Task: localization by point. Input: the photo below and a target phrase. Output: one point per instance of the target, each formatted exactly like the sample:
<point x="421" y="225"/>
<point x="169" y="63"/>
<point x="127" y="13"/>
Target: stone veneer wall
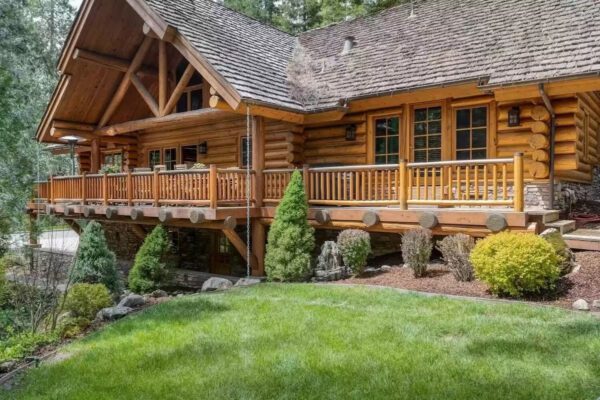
<point x="381" y="243"/>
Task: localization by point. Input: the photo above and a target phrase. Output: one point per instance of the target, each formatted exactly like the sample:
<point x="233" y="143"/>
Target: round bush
<point x="84" y="300"/>
<point x="515" y="263"/>
<point x="355" y="246"/>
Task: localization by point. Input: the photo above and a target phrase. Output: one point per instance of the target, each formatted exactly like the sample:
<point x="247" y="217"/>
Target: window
<point x="113" y="159"/>
<point x="387" y="140"/>
<point x="192" y="96"/>
<point x="246" y="152"/>
<point x="170" y="158"/>
<point x="471" y="133"/>
<point x="189" y="155"/>
<point x="153" y="158"/>
<point x="427" y="134"/>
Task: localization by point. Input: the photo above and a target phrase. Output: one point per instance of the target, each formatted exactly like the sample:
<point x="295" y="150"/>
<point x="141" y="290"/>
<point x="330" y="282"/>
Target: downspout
<point x="548" y="104"/>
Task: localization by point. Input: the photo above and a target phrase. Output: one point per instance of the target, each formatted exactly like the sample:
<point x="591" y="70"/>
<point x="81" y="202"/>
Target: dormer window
<point x="192" y="97"/>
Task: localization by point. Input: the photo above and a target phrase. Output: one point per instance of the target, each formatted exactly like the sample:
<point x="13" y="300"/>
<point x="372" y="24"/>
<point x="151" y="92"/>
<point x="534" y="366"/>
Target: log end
<point x="496" y="223"/>
<point x="428" y="220"/>
<point x="370" y="218"/>
<point x="323" y="217"/>
<point x="230" y="223"/>
<point x="197" y="216"/>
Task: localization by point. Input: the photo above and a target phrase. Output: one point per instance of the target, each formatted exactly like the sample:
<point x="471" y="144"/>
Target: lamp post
<point x="71" y="141"/>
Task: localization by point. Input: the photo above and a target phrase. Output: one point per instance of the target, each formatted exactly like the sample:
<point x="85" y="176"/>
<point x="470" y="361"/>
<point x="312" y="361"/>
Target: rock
<point x="215" y="283"/>
<point x="132" y="301"/>
<point x="386" y="268"/>
<point x="581" y="305"/>
<point x="180" y="295"/>
<point x="554" y="237"/>
<point x="7" y="366"/>
<point x="157" y="294"/>
<point x="245" y="282"/>
<point x="596" y="304"/>
<point x="113" y="313"/>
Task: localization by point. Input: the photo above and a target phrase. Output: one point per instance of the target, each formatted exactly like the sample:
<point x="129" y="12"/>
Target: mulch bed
<point x="583" y="284"/>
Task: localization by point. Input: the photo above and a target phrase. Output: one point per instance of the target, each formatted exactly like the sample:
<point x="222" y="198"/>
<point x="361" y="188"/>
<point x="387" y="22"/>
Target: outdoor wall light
<point x="514" y="116"/>
<point x="203" y="148"/>
<point x="351" y="132"/>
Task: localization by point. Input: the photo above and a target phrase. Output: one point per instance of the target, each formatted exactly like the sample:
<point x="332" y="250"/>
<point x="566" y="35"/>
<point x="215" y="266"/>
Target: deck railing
<point x="493" y="183"/>
<point x="202" y="187"/>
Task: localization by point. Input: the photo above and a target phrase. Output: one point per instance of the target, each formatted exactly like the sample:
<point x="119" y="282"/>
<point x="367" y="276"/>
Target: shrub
<point x="20" y="345"/>
<point x="456" y="251"/>
<point x="416" y="250"/>
<point x="291" y="239"/>
<point x="94" y="262"/>
<point x="84" y="300"/>
<point x="330" y="257"/>
<point x="150" y="269"/>
<point x="355" y="246"/>
<point x="515" y="263"/>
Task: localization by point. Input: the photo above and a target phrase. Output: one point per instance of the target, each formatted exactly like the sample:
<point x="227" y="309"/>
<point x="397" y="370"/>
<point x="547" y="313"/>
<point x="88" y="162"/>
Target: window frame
<point x="372" y="133"/>
<point x="180" y="152"/>
<point x="490" y="127"/>
<point x="241" y="146"/>
<point x="159" y="157"/>
<point x="411" y="127"/>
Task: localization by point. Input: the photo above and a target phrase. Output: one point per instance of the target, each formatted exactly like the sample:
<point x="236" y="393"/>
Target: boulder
<point x="386" y="268"/>
<point x="245" y="282"/>
<point x="596" y="304"/>
<point x="113" y="313"/>
<point x="7" y="366"/>
<point x="157" y="294"/>
<point x="581" y="305"/>
<point x="132" y="301"/>
<point x="554" y="237"/>
<point x="215" y="283"/>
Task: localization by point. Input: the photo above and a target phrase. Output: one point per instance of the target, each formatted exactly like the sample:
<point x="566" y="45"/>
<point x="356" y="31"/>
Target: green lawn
<point x="330" y="342"/>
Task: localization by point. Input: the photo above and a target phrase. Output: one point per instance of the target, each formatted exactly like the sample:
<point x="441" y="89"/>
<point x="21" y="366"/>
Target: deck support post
<point x="402" y="190"/>
<point x="519" y="184"/>
<point x="156" y="187"/>
<point x="105" y="189"/>
<point x="51" y="190"/>
<point x="212" y="186"/>
<point x="258" y="159"/>
<point x="258" y="247"/>
<point x="129" y="187"/>
<point x="305" y="178"/>
<point x="83" y="196"/>
<point x="95" y="156"/>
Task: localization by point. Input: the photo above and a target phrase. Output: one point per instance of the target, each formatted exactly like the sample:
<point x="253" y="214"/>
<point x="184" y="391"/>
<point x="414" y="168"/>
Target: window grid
<point x="427" y="134"/>
<point x="387" y="140"/>
<point x="471" y="133"/>
<point x="246" y="152"/>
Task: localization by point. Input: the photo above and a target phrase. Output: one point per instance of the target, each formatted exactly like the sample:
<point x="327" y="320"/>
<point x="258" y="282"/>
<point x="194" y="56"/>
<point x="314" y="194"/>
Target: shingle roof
<point x="507" y="41"/>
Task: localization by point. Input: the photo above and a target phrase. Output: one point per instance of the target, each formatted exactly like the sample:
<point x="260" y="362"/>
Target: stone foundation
<point x="381" y="243"/>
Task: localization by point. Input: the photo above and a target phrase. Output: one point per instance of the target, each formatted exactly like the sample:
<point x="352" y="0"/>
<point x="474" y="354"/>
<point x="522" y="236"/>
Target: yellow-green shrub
<point x="84" y="300"/>
<point x="515" y="263"/>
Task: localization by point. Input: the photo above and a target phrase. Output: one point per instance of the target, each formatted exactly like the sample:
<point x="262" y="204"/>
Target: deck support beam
<point x="73" y="225"/>
<point x="241" y="247"/>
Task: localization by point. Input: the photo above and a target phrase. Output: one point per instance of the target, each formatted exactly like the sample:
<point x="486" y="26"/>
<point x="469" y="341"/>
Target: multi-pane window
<point x="114" y="159"/>
<point x="387" y="140"/>
<point x="191" y="99"/>
<point x="427" y="134"/>
<point x="471" y="133"/>
<point x="170" y="158"/>
<point x="246" y="152"/>
<point x="153" y="158"/>
<point x="189" y="155"/>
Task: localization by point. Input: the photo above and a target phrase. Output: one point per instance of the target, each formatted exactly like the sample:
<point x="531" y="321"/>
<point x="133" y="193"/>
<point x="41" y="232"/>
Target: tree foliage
<point x="291" y="239"/>
<point x="94" y="262"/>
<point x="150" y="269"/>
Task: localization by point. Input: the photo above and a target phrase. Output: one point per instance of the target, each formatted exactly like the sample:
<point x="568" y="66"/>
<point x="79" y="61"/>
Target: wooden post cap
<point x="370" y="218"/>
<point x="136" y="214"/>
<point x="49" y="209"/>
<point x="322" y="217"/>
<point x="428" y="220"/>
<point x="496" y="222"/>
<point x="197" y="216"/>
<point x="165" y="215"/>
<point x="88" y="212"/>
<point x="111" y="212"/>
<point x="230" y="223"/>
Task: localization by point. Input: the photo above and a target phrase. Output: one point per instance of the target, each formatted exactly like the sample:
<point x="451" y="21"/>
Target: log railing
<point x="203" y="187"/>
<point x="493" y="183"/>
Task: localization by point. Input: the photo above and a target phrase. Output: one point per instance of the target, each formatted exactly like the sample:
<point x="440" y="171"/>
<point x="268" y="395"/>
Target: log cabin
<point x="471" y="116"/>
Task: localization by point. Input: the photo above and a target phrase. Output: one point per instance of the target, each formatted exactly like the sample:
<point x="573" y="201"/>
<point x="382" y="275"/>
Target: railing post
<point x="519" y="185"/>
<point x="51" y="190"/>
<point x="129" y="189"/>
<point x="105" y="189"/>
<point x="402" y="190"/>
<point x="306" y="179"/>
<point x="83" y="196"/>
<point x="212" y="186"/>
<point x="156" y="188"/>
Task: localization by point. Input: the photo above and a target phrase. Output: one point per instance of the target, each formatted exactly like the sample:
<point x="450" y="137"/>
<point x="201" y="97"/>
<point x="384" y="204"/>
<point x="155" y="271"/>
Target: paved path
<point x="61" y="240"/>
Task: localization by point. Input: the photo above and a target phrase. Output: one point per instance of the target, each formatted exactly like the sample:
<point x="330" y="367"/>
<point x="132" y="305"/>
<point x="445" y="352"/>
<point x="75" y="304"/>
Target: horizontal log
<point x="540" y="155"/>
<point x="539" y="142"/>
<point x="538" y="170"/>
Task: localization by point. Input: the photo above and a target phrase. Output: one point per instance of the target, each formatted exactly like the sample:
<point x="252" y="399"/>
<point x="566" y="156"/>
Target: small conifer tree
<point x="291" y="239"/>
<point x="94" y="262"/>
<point x="150" y="269"/>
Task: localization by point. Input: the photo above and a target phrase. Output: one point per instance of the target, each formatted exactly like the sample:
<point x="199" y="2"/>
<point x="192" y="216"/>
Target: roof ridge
<point x="222" y="5"/>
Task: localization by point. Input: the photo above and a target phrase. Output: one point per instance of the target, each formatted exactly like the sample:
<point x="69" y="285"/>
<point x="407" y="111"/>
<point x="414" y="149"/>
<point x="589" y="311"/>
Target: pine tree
<point x="291" y="239"/>
<point x="150" y="269"/>
<point x="94" y="262"/>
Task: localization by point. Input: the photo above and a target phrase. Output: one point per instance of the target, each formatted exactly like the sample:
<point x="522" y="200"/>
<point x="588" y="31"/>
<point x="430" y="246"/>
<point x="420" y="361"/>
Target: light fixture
<point x="203" y="148"/>
<point x="351" y="132"/>
<point x="514" y="116"/>
<point x="72" y="141"/>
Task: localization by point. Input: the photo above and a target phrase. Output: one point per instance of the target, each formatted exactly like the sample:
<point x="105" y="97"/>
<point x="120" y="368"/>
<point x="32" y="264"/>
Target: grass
<point x="330" y="342"/>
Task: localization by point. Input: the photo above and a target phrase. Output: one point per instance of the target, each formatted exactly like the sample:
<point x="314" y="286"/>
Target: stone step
<point x="563" y="225"/>
<point x="583" y="239"/>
